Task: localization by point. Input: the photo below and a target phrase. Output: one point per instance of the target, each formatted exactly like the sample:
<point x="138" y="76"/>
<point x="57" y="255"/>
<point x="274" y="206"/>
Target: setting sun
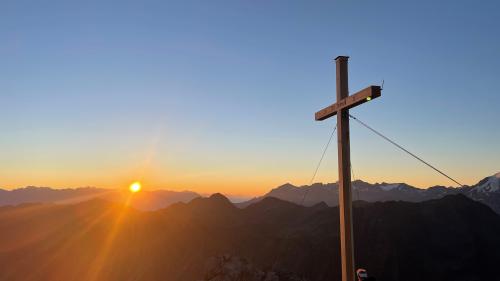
<point x="135" y="187"/>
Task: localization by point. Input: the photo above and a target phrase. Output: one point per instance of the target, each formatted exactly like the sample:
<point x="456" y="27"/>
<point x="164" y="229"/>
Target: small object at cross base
<point x="362" y="275"/>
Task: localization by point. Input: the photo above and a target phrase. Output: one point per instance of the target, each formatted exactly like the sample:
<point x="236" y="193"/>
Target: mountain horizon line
<point x="486" y="191"/>
<point x="497" y="174"/>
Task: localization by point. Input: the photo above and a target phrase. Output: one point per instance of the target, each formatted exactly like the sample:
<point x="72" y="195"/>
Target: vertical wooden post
<point x="341" y="109"/>
<point x="345" y="197"/>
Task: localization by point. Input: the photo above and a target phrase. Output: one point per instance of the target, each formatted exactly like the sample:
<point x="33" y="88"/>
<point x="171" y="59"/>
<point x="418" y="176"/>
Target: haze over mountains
<point x="144" y="200"/>
<point x="486" y="191"/>
<point x="452" y="238"/>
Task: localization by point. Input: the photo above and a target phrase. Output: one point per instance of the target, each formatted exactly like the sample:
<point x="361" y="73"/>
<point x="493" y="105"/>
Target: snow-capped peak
<point x="490" y="184"/>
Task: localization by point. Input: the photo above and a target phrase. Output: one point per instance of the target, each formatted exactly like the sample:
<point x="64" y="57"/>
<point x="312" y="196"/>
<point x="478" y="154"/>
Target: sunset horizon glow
<point x="101" y="95"/>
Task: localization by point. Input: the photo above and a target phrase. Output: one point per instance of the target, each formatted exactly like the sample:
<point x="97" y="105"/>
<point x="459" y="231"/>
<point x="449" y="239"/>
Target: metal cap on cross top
<point x="342" y="58"/>
<point x="341" y="109"/>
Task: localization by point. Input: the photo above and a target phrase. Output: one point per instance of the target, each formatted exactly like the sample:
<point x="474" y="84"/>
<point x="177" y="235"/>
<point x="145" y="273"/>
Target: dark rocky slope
<point x="453" y="238"/>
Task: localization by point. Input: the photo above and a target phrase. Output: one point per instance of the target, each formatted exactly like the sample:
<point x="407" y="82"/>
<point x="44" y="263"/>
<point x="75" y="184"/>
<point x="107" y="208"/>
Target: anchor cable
<point x="318" y="165"/>
<point x="353" y="179"/>
<point x="288" y="234"/>
<point x="404" y="149"/>
<point x="323" y="155"/>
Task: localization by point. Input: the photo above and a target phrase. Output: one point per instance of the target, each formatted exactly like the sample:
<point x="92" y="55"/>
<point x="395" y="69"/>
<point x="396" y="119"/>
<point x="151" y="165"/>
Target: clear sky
<point x="220" y="95"/>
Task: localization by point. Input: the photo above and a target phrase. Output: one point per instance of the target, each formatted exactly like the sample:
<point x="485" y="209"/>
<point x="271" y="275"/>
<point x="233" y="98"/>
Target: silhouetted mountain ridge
<point x="451" y="238"/>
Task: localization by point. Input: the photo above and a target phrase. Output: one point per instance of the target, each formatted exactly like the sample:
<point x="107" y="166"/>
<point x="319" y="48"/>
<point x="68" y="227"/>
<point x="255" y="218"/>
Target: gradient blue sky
<point x="220" y="95"/>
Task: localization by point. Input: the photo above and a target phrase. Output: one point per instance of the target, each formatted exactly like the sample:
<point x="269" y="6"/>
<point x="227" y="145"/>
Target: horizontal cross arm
<point x="358" y="98"/>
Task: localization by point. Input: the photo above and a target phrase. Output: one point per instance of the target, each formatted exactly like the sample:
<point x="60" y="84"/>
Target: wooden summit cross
<point x="341" y="109"/>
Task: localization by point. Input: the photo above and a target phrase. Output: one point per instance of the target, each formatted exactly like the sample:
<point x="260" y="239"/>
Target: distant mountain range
<point x="486" y="191"/>
<point x="452" y="238"/>
<point x="144" y="200"/>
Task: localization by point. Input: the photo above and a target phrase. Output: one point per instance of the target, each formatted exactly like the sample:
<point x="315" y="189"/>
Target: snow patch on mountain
<point x="388" y="187"/>
<point x="492" y="184"/>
